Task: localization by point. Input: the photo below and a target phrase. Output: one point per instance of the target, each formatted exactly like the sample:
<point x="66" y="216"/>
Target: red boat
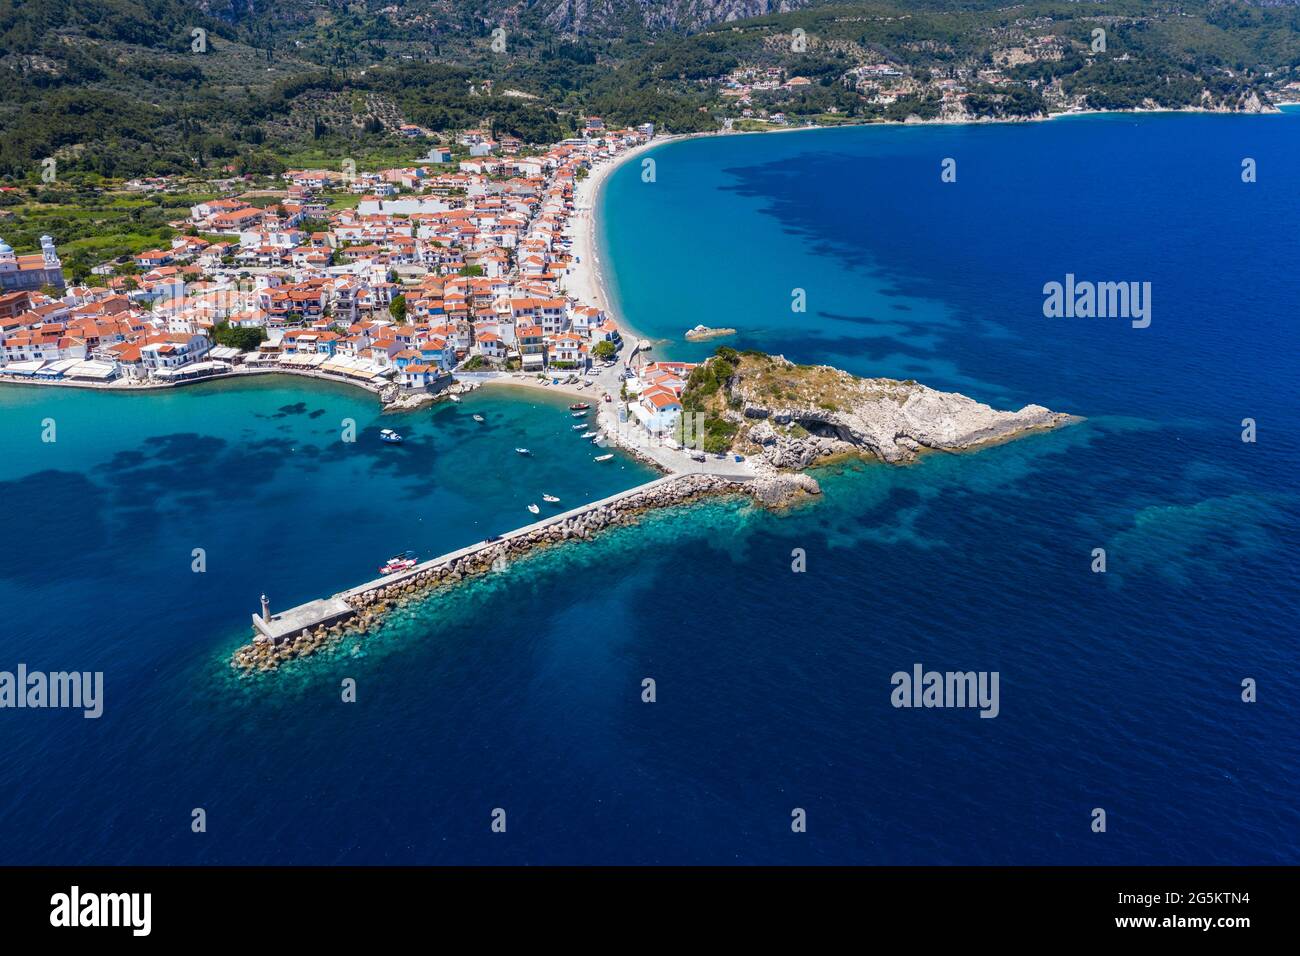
<point x="579" y="407"/>
<point x="399" y="562"/>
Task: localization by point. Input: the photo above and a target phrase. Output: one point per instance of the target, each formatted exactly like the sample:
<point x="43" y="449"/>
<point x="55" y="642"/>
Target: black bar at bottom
<point x="332" y="904"/>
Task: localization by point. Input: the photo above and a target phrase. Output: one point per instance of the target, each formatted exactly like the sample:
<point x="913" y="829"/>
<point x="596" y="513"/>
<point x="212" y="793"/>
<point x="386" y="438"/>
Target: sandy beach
<point x="529" y="380"/>
<point x="585" y="280"/>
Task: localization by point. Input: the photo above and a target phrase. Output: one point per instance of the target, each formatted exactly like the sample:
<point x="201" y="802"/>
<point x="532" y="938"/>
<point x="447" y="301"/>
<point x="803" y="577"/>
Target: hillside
<point x="116" y="88"/>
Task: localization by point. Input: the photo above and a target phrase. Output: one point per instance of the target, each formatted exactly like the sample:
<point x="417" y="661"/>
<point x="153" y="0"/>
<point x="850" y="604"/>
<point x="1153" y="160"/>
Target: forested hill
<point x="601" y="19"/>
<point x="125" y="87"/>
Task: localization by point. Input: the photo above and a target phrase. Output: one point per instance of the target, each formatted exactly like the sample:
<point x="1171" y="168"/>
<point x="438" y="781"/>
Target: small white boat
<point x="578" y="427"/>
<point x="534" y="509"/>
<point x="390" y="437"/>
<point x="455" y="398"/>
<point x="604" y="457"/>
<point x="550" y="499"/>
<point x="588" y="435"/>
<point x="399" y="562"/>
<point x="523" y="451"/>
<point x="579" y="414"/>
<point x="479" y="418"/>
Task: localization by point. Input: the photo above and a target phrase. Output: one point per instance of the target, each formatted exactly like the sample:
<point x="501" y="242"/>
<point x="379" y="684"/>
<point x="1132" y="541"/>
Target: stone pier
<point x="287" y="624"/>
<point x="307" y="628"/>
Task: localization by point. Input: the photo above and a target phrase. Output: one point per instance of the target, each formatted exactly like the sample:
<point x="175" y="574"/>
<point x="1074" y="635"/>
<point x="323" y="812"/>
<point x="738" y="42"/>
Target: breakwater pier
<point x="309" y="627"/>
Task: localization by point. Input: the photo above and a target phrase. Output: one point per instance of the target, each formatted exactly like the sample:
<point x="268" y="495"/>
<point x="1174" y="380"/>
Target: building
<point x="532" y="347"/>
<point x="32" y="271"/>
<point x="12" y="304"/>
<point x="173" y="352"/>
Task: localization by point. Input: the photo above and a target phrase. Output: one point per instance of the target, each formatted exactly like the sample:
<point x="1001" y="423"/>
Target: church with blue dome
<point x="33" y="271"/>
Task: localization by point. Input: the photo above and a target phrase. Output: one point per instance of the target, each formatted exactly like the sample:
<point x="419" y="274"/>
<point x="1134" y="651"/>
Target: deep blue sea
<point x="522" y="690"/>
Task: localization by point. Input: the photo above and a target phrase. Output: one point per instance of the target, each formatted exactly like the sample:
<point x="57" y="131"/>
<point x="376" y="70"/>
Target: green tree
<point x="244" y="339"/>
<point x="397" y="308"/>
<point x="604" y="351"/>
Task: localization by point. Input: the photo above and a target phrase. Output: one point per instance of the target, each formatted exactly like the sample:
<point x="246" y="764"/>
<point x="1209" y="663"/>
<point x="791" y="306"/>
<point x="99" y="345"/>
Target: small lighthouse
<point x="266" y="609"/>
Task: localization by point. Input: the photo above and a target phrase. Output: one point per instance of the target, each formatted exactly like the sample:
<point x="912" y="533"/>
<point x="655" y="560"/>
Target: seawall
<point x="305" y="629"/>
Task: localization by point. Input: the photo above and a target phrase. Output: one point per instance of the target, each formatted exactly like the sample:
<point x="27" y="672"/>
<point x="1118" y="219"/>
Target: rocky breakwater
<point x="791" y="416"/>
<point x="372" y="601"/>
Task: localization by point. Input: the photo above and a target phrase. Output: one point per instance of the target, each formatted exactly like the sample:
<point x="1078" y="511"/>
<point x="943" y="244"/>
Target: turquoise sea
<point x="522" y="690"/>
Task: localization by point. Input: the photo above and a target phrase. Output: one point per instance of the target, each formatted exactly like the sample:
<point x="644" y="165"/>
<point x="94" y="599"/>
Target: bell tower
<point x="49" y="253"/>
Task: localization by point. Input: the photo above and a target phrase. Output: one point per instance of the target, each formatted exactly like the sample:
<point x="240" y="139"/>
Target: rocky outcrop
<point x="781" y="490"/>
<point x="795" y="415"/>
<point x="397" y="399"/>
<point x="613" y="17"/>
<point x="702" y="333"/>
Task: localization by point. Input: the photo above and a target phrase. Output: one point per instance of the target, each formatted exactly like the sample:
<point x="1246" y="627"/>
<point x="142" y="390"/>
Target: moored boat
<point x="578" y="428"/>
<point x="534" y="509"/>
<point x="399" y="562"/>
<point x="579" y="407"/>
<point x="604" y="457"/>
<point x="550" y="499"/>
<point x="390" y="437"/>
<point x="588" y="434"/>
<point x="579" y="414"/>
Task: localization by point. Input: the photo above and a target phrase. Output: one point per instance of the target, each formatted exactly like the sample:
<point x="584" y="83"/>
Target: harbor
<point x="306" y="628"/>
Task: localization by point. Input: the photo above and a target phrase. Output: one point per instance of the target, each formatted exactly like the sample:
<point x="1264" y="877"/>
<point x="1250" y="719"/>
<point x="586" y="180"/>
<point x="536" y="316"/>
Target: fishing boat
<point x="523" y="451"/>
<point x="550" y="499"/>
<point x="579" y="407"/>
<point x="390" y="437"/>
<point x="588" y="434"/>
<point x="479" y="418"/>
<point x="604" y="457"/>
<point x="534" y="509"/>
<point x="579" y="414"/>
<point x="578" y="428"/>
<point x="399" y="562"/>
<point x="455" y="398"/>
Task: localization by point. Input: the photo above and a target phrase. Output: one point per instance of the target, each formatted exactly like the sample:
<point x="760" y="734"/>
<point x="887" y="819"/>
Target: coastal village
<point x="474" y="268"/>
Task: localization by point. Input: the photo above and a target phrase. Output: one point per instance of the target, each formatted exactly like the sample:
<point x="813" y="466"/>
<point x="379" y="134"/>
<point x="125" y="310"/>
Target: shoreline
<point x="527" y="381"/>
<point x="1185" y="111"/>
<point x="587" y="281"/>
<point x="128" y="389"/>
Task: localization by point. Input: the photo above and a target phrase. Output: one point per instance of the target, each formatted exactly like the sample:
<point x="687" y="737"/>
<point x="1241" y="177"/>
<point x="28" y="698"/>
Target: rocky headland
<point x="791" y="416"/>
